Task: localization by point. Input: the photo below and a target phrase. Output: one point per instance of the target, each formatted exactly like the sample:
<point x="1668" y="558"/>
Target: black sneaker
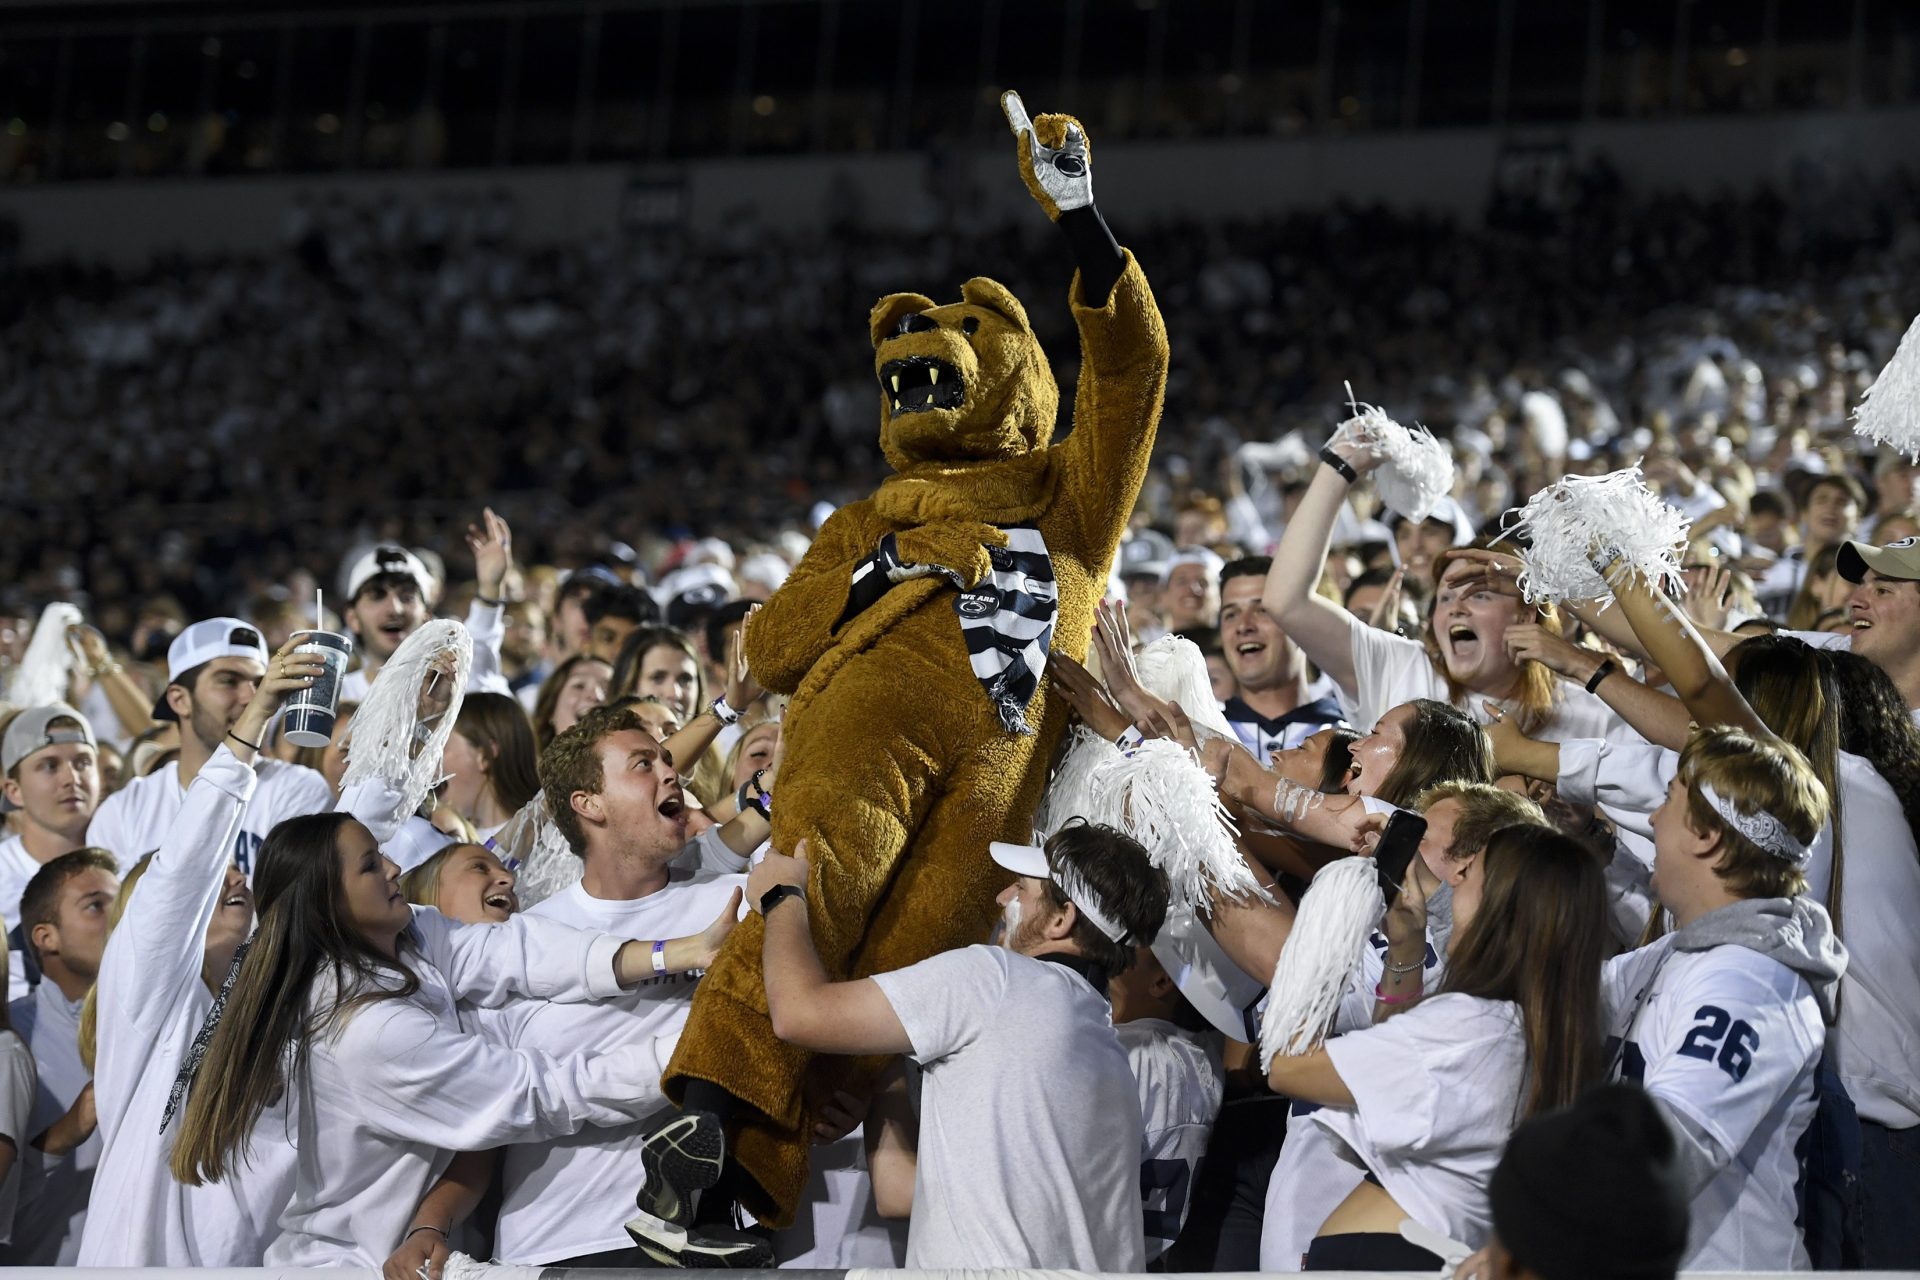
<point x="710" y="1245"/>
<point x="682" y="1158"/>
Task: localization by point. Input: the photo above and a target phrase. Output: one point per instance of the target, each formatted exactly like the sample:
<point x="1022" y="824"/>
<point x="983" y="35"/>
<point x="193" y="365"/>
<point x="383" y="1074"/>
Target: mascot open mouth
<point x="919" y="383"/>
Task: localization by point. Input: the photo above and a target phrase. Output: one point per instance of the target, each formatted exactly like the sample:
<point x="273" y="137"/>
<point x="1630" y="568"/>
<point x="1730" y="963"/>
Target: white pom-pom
<point x="381" y="741"/>
<point x="1070" y="792"/>
<point x="1580" y="521"/>
<point x="547" y="865"/>
<point x="1417" y="471"/>
<point x="1338" y="911"/>
<point x="1170" y="805"/>
<point x="47" y="667"/>
<point x="1889" y="412"/>
<point x="1173" y="668"/>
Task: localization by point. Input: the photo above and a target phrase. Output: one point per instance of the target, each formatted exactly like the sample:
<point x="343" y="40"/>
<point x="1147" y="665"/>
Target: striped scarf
<point x="1007" y="622"/>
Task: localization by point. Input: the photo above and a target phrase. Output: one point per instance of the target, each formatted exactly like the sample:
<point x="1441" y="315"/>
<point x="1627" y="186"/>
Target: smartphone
<point x="1399" y="844"/>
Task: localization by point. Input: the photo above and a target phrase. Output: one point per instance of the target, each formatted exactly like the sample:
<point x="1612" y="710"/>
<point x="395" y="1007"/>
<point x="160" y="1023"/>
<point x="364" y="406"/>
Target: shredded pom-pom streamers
<point x="1338" y="911"/>
<point x="1173" y="668"/>
<point x="47" y="667"/>
<point x="1417" y="470"/>
<point x="1070" y="791"/>
<point x="1889" y="412"/>
<point x="547" y="865"/>
<point x="383" y="734"/>
<point x="1580" y="521"/>
<point x="1172" y="808"/>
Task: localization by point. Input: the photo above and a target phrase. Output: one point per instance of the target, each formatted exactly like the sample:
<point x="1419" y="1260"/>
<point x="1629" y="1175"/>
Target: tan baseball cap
<point x="1895" y="560"/>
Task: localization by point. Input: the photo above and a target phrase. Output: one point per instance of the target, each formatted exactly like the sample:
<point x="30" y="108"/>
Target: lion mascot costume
<point x="913" y="638"/>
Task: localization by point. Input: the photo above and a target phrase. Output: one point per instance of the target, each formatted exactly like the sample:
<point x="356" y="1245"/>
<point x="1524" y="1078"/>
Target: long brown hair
<point x="265" y="1034"/>
<point x="1538" y="940"/>
<point x="1442" y="744"/>
<point x="548" y="700"/>
<point x="498" y="730"/>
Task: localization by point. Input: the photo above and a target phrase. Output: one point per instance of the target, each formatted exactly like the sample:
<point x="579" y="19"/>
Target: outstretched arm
<point x="1123" y="343"/>
<point x="805" y="1006"/>
<point x="1322" y="629"/>
<point x="1691" y="667"/>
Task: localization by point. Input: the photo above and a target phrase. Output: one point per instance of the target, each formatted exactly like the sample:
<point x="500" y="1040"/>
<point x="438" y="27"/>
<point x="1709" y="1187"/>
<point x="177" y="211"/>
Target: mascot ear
<point x="993" y="295"/>
<point x="887" y="312"/>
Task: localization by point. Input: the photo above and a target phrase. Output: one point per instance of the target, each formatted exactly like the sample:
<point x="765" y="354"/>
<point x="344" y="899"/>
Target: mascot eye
<point x="915" y="323"/>
<point x="970" y="326"/>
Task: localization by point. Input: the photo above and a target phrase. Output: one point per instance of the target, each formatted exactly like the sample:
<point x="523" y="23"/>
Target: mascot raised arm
<point x="913" y="638"/>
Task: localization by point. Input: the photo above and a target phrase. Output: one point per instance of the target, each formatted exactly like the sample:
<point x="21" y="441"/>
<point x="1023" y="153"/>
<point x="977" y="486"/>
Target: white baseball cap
<point x="387" y="558"/>
<point x="1031" y="860"/>
<point x="32" y="730"/>
<point x="200" y="644"/>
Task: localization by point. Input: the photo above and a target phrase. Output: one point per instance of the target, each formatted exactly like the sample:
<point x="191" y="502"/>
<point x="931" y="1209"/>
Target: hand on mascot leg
<point x="958" y="546"/>
<point x="1053" y="156"/>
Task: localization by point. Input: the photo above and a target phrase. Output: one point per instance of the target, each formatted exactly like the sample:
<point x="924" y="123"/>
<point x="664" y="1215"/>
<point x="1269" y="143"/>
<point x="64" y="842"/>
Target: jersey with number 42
<point x="1729" y="1039"/>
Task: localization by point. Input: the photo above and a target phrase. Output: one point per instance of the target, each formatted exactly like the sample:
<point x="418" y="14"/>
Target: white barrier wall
<point x="1450" y="170"/>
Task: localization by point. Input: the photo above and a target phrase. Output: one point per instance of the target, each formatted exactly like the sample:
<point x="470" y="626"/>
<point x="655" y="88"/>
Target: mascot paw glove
<point x="959" y="547"/>
<point x="1053" y="157"/>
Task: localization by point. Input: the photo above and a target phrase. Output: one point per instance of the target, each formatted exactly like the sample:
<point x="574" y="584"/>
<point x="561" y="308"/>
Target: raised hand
<point x="1113" y="641"/>
<point x="1086" y="696"/>
<point x="492" y="545"/>
<point x="1531" y="642"/>
<point x="287" y="671"/>
<point x="1054" y="162"/>
<point x="742" y="689"/>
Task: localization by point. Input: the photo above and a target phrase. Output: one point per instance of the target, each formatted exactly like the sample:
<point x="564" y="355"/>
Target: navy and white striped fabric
<point x="1007" y="622"/>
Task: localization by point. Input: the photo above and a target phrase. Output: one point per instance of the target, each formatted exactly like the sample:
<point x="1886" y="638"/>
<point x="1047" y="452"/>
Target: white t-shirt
<point x="16" y="1125"/>
<point x="1729" y="1039"/>
<point x="17" y="866"/>
<point x="134" y="819"/>
<point x="1181" y="1083"/>
<point x="1389" y="669"/>
<point x="1030" y="1124"/>
<point x="400" y="1085"/>
<point x="55" y="1190"/>
<point x="152" y="1001"/>
<point x="1311" y="1178"/>
<point x="568" y="1196"/>
<point x="1437" y="1090"/>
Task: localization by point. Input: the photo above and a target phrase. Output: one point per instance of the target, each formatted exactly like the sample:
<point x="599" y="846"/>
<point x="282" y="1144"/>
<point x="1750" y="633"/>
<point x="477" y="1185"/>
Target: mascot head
<point x="964" y="382"/>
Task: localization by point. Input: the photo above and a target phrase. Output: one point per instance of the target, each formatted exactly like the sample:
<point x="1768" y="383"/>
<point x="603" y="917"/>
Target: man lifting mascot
<point x="913" y="639"/>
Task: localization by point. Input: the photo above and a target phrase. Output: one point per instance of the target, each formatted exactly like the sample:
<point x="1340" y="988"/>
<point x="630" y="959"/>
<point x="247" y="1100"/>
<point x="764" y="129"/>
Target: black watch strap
<point x="779" y="894"/>
<point x="1601" y="672"/>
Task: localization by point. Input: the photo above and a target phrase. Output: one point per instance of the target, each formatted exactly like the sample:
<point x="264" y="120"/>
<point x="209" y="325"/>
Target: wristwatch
<point x="779" y="894"/>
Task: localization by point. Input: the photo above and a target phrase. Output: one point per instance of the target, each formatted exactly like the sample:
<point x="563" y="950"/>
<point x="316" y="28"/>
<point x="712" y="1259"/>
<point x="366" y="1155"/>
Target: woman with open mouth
<point x="1466" y="658"/>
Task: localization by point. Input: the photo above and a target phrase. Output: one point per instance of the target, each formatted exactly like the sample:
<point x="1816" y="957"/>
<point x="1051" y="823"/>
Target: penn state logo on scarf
<point x="1007" y="622"/>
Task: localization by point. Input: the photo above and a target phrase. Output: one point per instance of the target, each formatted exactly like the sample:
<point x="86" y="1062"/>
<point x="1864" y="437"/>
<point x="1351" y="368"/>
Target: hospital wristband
<point x="660" y="957"/>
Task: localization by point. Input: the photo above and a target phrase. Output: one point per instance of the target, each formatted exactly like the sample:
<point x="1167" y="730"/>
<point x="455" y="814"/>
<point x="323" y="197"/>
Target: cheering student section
<point x="1491" y="849"/>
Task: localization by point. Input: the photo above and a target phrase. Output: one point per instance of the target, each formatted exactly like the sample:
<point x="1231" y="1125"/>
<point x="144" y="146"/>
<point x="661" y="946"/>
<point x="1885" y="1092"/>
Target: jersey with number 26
<point x="1728" y="1039"/>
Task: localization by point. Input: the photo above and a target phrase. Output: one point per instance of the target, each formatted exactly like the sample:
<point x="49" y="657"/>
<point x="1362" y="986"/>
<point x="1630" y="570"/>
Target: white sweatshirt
<point x="151" y="1003"/>
<point x="397" y="1088"/>
<point x="1876" y="1045"/>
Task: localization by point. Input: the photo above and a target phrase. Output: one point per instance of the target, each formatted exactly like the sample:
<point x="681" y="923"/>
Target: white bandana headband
<point x="1763" y="829"/>
<point x="1083" y="898"/>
